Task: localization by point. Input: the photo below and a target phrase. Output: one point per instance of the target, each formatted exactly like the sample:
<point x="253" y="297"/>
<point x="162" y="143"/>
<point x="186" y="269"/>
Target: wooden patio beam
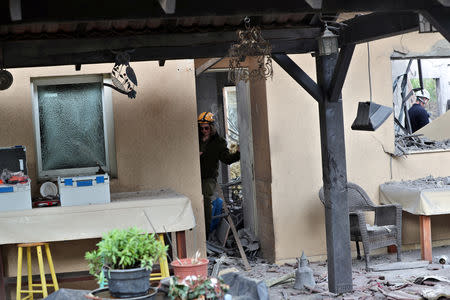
<point x="378" y="25"/>
<point x="211" y="62"/>
<point x="440" y="19"/>
<point x="28" y="53"/>
<point x="334" y="175"/>
<point x="340" y="72"/>
<point x="298" y="75"/>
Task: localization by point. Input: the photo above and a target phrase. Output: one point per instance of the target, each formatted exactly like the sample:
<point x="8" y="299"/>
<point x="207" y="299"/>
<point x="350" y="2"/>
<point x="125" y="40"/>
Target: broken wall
<point x="156" y="140"/>
<point x="299" y="221"/>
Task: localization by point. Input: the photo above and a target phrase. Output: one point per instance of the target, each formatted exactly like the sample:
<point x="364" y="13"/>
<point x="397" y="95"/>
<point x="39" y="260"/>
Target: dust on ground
<point x="397" y="284"/>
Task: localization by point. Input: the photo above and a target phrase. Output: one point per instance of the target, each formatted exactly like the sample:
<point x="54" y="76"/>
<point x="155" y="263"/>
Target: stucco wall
<point x="155" y="134"/>
<point x="295" y="148"/>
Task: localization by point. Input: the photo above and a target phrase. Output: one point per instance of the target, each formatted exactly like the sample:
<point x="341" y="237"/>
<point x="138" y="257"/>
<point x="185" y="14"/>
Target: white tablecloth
<point x="160" y="211"/>
<point x="416" y="200"/>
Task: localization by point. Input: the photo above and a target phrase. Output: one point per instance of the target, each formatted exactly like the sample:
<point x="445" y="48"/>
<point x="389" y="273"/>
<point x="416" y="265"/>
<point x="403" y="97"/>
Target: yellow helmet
<point x="206" y="118"/>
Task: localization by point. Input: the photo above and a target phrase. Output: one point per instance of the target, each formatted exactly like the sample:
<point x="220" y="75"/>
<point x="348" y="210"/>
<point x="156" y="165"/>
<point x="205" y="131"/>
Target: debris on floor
<point x="429" y="281"/>
<point x="404" y="144"/>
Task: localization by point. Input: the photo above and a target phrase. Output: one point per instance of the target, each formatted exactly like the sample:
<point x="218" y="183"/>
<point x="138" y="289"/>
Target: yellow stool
<point x="163" y="265"/>
<point x="43" y="283"/>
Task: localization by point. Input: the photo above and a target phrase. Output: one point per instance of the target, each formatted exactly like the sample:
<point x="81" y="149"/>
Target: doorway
<point x="232" y="107"/>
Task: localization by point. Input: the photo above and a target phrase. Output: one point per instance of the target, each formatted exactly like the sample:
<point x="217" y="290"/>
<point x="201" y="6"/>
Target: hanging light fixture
<point x="370" y="115"/>
<point x="251" y="43"/>
<point x="328" y="42"/>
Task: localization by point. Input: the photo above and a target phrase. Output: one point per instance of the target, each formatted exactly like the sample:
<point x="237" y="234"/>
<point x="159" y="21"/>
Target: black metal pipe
<point x="419" y="66"/>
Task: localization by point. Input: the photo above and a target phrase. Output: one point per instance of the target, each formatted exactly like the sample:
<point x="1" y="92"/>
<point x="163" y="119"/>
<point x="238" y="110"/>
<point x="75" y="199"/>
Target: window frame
<point x="108" y="125"/>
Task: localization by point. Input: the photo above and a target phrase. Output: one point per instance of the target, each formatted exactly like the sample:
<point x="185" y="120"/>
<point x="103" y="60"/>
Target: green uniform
<point x="213" y="150"/>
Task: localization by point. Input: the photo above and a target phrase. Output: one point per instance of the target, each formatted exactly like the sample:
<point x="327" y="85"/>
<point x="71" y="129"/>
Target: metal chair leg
<point x="358" y="252"/>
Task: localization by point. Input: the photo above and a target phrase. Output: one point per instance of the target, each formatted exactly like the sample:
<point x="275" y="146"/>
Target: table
<point x="152" y="211"/>
<point x="419" y="200"/>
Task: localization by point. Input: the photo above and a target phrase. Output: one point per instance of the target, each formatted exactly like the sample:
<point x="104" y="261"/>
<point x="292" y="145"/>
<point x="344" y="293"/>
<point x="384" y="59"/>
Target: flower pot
<point x="186" y="267"/>
<point x="128" y="283"/>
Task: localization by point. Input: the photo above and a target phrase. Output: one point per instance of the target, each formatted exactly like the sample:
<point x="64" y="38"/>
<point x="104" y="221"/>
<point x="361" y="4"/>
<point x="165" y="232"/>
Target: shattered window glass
<point x="71" y="125"/>
<point x="421" y="101"/>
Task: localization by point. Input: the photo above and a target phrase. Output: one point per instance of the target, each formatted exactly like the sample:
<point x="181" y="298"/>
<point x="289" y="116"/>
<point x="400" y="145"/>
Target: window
<point x="421" y="76"/>
<point x="74" y="127"/>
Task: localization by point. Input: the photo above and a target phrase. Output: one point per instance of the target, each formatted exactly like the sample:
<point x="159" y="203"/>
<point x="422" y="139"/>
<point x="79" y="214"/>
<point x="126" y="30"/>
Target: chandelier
<point x="250" y="43"/>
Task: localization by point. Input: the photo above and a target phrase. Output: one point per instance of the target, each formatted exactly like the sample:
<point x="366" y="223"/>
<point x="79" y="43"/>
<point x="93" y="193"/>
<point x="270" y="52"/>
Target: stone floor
<point x="396" y="284"/>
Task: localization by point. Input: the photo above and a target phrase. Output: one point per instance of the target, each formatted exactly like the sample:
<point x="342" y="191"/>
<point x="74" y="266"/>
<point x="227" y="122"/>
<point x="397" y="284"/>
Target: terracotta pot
<point x="188" y="268"/>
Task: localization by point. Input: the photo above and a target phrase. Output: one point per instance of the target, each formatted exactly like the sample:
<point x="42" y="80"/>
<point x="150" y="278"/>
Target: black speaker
<point x="370" y="116"/>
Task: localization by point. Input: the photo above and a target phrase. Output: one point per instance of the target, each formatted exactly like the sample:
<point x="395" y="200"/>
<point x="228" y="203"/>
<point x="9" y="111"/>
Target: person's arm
<point x="225" y="156"/>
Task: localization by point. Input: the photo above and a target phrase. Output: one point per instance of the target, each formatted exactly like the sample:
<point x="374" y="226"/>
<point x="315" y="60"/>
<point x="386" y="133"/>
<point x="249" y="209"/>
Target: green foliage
<point x="124" y="249"/>
<point x="197" y="288"/>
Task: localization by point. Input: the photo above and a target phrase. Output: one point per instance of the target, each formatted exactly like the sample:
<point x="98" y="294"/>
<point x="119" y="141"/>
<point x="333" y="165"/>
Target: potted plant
<point x="125" y="259"/>
<point x="190" y="266"/>
<point x="200" y="288"/>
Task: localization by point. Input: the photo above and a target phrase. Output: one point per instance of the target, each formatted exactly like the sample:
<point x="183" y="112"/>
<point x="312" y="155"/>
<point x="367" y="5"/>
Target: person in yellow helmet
<point x="212" y="149"/>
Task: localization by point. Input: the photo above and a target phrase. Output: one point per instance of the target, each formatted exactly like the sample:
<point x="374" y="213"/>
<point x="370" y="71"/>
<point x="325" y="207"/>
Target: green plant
<point x="124" y="249"/>
<point x="194" y="287"/>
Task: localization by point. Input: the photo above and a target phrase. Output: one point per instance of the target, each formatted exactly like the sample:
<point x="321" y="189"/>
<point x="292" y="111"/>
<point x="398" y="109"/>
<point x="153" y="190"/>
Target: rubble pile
<point x="425" y="182"/>
<point x="427" y="282"/>
<point x="404" y="144"/>
<point x="221" y="240"/>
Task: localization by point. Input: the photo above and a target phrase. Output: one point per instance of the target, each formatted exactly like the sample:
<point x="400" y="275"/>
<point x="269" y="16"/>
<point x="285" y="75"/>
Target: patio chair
<point x="387" y="228"/>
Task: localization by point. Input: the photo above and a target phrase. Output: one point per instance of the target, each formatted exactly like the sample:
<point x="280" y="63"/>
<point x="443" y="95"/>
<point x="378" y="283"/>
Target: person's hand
<point x="201" y="153"/>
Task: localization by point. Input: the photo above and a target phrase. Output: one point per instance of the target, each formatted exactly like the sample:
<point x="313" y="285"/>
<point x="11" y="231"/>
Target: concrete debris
<point x="216" y="267"/>
<point x="228" y="270"/>
<point x="249" y="242"/>
<point x="437" y="293"/>
<point x="400" y="295"/>
<point x="280" y="280"/>
<point x="425" y="182"/>
<point x="401" y="265"/>
<point x="390" y="284"/>
<point x="421" y="280"/>
<point x="404" y="144"/>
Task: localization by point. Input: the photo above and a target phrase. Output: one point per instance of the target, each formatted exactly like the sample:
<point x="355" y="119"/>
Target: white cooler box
<point x="15" y="196"/>
<point x="84" y="190"/>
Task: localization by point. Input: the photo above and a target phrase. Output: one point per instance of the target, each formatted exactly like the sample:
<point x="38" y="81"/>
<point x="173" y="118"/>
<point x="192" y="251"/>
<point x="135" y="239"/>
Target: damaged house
<point x="290" y="147"/>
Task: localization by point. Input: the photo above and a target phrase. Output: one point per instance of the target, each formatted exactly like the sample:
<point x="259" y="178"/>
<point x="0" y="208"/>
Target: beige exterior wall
<point x="156" y="145"/>
<point x="295" y="149"/>
<point x="155" y="134"/>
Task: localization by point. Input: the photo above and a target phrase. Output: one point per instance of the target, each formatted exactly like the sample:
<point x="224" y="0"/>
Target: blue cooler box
<point x="84" y="190"/>
<point x="14" y="196"/>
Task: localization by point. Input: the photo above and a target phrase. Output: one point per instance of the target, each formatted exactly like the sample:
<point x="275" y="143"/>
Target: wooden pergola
<point x="51" y="32"/>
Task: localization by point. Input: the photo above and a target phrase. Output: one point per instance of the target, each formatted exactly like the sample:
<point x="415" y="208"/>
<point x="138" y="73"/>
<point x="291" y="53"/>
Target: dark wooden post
<point x="181" y="244"/>
<point x="334" y="180"/>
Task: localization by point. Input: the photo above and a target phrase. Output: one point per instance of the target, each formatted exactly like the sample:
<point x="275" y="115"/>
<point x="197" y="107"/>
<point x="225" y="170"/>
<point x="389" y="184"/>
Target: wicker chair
<point x="387" y="228"/>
